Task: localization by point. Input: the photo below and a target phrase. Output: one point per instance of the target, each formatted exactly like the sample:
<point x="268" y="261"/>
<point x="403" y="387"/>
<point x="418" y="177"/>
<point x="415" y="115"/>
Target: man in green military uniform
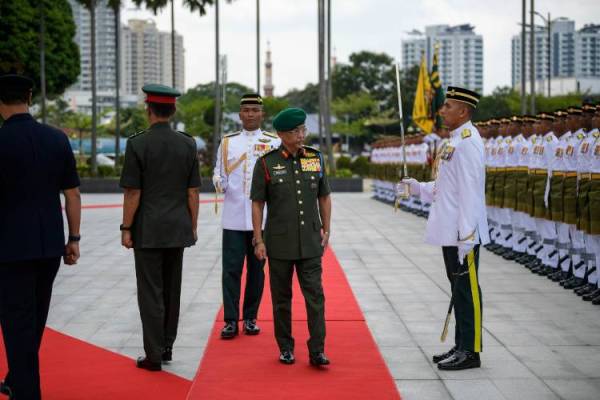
<point x="160" y="213"/>
<point x="291" y="181"/>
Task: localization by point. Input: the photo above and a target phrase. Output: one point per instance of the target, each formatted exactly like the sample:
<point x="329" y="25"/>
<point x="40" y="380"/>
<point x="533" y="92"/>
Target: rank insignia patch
<point x="261" y="148"/>
<point x="465" y="133"/>
<point x="584" y="148"/>
<point x="570" y="150"/>
<point x="310" y="164"/>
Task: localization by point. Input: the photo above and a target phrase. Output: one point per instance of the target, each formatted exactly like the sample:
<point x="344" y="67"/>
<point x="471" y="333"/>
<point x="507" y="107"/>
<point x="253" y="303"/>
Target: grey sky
<point x="375" y="25"/>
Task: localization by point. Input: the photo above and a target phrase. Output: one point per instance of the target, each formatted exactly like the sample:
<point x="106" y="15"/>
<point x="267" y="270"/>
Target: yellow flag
<point x="422" y="107"/>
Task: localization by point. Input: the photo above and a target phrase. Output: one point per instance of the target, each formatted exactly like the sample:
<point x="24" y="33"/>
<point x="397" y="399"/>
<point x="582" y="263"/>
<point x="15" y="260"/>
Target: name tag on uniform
<point x="310" y="164"/>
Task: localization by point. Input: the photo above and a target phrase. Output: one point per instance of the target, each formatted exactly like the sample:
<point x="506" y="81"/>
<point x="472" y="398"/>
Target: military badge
<point x="279" y="170"/>
<point x="465" y="133"/>
<point x="448" y="153"/>
<point x="278" y="167"/>
<point x="570" y="150"/>
<point x="310" y="164"/>
<point x="524" y="151"/>
<point x="597" y="150"/>
<point x="580" y="136"/>
<point x="511" y="149"/>
<point x="558" y="153"/>
<point x="584" y="148"/>
<point x="549" y="139"/>
<point x="262" y="140"/>
<point x="261" y="148"/>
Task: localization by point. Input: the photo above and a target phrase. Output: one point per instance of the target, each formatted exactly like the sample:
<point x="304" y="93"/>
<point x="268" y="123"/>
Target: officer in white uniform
<point x="232" y="175"/>
<point x="458" y="222"/>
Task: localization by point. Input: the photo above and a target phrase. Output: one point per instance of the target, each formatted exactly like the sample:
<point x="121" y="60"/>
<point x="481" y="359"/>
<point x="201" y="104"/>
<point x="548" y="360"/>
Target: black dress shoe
<point x="596" y="300"/>
<point x="545" y="271"/>
<point x="441" y="357"/>
<point x="591" y="296"/>
<point x="585" y="289"/>
<point x="250" y="327"/>
<point x="167" y="354"/>
<point x="567" y="281"/>
<point x="533" y="264"/>
<point x="230" y="330"/>
<point x="5" y="389"/>
<point x="560" y="276"/>
<point x="144" y="363"/>
<point x="287" y="357"/>
<point x="576" y="283"/>
<point x="510" y="255"/>
<point x="460" y="360"/>
<point x="318" y="359"/>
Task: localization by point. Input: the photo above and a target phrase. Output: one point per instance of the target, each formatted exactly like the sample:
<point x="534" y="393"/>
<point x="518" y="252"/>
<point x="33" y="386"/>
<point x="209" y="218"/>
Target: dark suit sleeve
<point x="258" y="191"/>
<point x="69" y="179"/>
<point x="131" y="177"/>
<point x="194" y="179"/>
<point x="324" y="189"/>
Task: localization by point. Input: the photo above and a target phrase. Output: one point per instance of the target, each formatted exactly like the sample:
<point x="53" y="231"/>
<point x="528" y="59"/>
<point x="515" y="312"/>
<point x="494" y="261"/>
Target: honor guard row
<point x="543" y="194"/>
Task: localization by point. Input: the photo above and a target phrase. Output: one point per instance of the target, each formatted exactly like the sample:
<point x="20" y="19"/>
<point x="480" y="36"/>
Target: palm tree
<point x="91" y="6"/>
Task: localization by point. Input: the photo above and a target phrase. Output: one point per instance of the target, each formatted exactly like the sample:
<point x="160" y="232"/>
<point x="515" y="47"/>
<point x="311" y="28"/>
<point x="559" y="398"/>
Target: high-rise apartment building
<point x="460" y="53"/>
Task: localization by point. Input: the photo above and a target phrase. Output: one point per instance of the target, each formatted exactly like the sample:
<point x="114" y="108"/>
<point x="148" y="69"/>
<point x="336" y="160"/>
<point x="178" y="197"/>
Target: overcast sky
<point x="375" y="25"/>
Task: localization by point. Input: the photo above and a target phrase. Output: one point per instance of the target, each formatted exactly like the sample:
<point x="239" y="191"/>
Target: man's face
<point x="453" y="113"/>
<point x="596" y="120"/>
<point x="293" y="139"/>
<point x="252" y="116"/>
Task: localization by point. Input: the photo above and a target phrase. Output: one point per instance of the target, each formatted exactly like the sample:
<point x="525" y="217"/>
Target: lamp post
<point x="548" y="22"/>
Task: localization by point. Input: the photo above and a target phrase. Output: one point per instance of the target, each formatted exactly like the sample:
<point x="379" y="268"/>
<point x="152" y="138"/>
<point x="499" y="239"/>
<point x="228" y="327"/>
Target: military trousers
<point x="464" y="282"/>
<point x="309" y="273"/>
<point x="25" y="293"/>
<point x="237" y="247"/>
<point x="158" y="274"/>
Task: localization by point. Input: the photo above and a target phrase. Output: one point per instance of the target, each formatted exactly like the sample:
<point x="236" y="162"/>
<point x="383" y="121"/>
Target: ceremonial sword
<point x="402" y="189"/>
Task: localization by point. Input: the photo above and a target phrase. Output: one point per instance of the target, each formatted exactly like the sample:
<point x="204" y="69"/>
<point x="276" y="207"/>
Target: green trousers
<point x="158" y="274"/>
<point x="237" y="247"/>
<point x="309" y="276"/>
<point x="468" y="306"/>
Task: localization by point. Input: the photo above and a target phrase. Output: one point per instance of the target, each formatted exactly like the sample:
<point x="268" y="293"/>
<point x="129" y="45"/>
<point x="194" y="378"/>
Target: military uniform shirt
<point x="291" y="186"/>
<point x="162" y="163"/>
<point x="236" y="158"/>
<point x="458" y="211"/>
<point x="36" y="163"/>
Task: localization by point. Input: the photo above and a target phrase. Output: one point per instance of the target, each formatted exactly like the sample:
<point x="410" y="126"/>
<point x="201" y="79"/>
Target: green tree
<point x="19" y="46"/>
<point x="192" y="113"/>
<point x="352" y="111"/>
<point x="59" y="114"/>
<point x="272" y="106"/>
<point x="307" y="98"/>
<point x="133" y="120"/>
<point x="80" y="123"/>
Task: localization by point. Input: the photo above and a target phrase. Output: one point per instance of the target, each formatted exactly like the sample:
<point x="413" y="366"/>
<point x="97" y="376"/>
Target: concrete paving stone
<point x="473" y="389"/>
<point x="524" y="389"/>
<point x="422" y="389"/>
<point x="575" y="389"/>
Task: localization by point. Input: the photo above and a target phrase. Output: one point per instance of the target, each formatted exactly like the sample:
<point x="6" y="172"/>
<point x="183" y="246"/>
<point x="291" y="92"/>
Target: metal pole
<point x="217" y="125"/>
<point x="532" y="58"/>
<point x="173" y="74"/>
<point x="523" y="64"/>
<point x="93" y="164"/>
<point x="321" y="75"/>
<point x="549" y="55"/>
<point x="117" y="85"/>
<point x="43" y="59"/>
<point x="328" y="89"/>
<point x="257" y="46"/>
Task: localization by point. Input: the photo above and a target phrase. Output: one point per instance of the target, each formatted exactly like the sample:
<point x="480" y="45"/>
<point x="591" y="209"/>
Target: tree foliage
<point x="20" y="40"/>
<point x="307" y="98"/>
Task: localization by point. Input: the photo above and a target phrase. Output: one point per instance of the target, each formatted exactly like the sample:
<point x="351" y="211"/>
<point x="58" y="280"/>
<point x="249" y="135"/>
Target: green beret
<point x="161" y="94"/>
<point x="289" y="119"/>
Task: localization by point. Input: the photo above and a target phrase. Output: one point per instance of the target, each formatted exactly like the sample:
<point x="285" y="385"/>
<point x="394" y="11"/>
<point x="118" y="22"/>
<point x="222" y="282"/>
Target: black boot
<point x="585" y="289"/>
<point x="576" y="283"/>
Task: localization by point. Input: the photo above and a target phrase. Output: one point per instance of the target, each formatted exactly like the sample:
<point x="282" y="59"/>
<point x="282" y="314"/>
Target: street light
<point x="548" y="22"/>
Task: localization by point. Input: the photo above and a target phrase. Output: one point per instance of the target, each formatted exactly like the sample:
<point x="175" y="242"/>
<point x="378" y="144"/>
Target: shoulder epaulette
<point x="232" y="134"/>
<point x="596" y="134"/>
<point x="271" y="135"/>
<point x="465" y="133"/>
<point x="137" y="134"/>
<point x="580" y="136"/>
<point x="311" y="148"/>
<point x="186" y="134"/>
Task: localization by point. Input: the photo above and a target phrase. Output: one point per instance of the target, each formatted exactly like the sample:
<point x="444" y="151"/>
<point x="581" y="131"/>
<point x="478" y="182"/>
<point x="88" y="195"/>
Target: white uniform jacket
<point x="236" y="157"/>
<point x="458" y="212"/>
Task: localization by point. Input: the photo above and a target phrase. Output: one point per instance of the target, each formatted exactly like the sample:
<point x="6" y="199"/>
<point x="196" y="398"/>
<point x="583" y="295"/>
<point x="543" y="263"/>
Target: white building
<point x="572" y="60"/>
<point x="461" y="54"/>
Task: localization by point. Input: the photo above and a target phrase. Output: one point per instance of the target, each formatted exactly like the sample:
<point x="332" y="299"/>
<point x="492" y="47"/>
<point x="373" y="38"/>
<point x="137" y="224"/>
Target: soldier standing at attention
<point x="160" y="213"/>
<point x="458" y="222"/>
<point x="232" y="175"/>
<point x="36" y="164"/>
<point x="292" y="182"/>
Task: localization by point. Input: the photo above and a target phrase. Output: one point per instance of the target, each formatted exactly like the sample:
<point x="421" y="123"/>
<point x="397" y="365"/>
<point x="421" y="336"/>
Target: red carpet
<point x="75" y="370"/>
<point x="248" y="368"/>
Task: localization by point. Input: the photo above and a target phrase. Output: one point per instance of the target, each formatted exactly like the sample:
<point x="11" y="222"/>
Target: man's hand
<point x="413" y="184"/>
<point x="463" y="251"/>
<point x="260" y="251"/>
<point x="71" y="253"/>
<point x="218" y="183"/>
<point x="126" y="240"/>
<point x="324" y="238"/>
<point x="195" y="235"/>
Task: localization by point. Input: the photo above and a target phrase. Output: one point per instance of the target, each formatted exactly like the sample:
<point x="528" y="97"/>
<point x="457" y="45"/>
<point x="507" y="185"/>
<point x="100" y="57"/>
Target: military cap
<point x="463" y="95"/>
<point x="546" y="117"/>
<point x="517" y="119"/>
<point x="251" y="98"/>
<point x="574" y="111"/>
<point x="494" y="121"/>
<point x="13" y="83"/>
<point x="161" y="94"/>
<point x="530" y="119"/>
<point x="505" y="121"/>
<point x="560" y="113"/>
<point x="289" y="119"/>
<point x="589" y="108"/>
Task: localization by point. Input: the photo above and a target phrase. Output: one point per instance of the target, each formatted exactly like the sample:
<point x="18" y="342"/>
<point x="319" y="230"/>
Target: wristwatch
<point x="124" y="228"/>
<point x="74" y="238"/>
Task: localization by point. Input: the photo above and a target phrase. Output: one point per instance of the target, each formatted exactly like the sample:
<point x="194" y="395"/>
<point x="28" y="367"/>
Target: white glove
<point x="415" y="187"/>
<point x="218" y="183"/>
<point x="463" y="251"/>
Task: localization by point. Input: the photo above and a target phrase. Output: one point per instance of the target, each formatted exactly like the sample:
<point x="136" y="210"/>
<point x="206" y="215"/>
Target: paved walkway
<point x="540" y="341"/>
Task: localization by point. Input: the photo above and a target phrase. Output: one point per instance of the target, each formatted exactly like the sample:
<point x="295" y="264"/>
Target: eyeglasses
<point x="298" y="130"/>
